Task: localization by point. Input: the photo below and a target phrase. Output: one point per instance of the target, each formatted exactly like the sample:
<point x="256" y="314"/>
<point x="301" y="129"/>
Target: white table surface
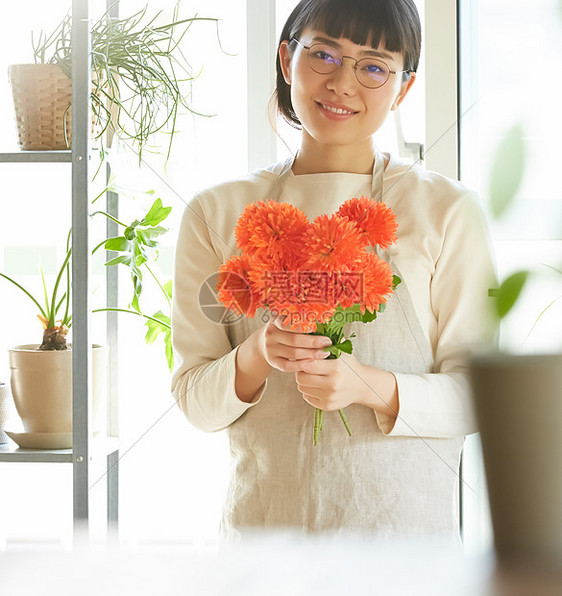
<point x="271" y="565"/>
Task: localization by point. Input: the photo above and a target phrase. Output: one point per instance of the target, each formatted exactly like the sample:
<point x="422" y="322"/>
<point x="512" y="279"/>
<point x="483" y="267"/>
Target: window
<point x="172" y="477"/>
<point x="509" y="53"/>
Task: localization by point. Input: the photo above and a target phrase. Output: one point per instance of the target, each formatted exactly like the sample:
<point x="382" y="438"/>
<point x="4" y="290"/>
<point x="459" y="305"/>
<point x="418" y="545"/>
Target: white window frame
<point x="262" y="49"/>
<point x="441" y="87"/>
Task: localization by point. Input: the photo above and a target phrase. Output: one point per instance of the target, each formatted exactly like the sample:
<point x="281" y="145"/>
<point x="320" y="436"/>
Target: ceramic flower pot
<point x="518" y="402"/>
<point x="41" y="384"/>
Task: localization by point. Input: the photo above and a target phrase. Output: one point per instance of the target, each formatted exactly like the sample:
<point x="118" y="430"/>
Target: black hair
<point x="395" y="23"/>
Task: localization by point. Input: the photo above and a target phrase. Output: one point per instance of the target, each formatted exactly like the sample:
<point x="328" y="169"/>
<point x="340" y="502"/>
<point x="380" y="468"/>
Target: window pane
<point x="510" y="76"/>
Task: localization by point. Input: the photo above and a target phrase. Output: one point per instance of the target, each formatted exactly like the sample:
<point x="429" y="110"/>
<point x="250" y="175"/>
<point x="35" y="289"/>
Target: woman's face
<point x="316" y="97"/>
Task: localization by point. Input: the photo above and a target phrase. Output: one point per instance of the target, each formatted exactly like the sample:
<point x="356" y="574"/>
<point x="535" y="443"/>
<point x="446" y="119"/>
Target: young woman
<point x="342" y="68"/>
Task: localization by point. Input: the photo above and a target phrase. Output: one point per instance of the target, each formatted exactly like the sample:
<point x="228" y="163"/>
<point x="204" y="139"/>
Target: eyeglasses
<point x="326" y="59"/>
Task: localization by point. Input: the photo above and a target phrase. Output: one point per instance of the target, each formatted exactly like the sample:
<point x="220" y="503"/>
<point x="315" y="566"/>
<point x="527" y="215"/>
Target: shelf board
<point x="10" y="452"/>
<point x="36" y="156"/>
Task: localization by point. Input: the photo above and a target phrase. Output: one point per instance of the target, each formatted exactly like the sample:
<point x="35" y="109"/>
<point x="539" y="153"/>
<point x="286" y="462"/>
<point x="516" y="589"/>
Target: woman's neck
<point x="314" y="158"/>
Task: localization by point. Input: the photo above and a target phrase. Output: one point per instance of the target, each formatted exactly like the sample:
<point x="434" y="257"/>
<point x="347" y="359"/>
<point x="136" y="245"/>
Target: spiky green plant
<point x="140" y="76"/>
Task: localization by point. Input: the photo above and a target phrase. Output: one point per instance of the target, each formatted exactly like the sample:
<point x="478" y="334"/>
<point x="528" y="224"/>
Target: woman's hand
<point x="335" y="384"/>
<point x="332" y="384"/>
<point x="288" y="350"/>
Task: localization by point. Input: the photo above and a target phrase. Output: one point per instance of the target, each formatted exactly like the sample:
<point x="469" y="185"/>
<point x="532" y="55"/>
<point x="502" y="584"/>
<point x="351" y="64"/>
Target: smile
<point x="336" y="110"/>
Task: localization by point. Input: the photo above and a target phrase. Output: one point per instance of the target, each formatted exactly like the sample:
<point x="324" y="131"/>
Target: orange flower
<point x="334" y="243"/>
<point x="377" y="282"/>
<point x="375" y="220"/>
<point x="235" y="289"/>
<point x="305" y="270"/>
<point x="349" y="287"/>
<point x="272" y="228"/>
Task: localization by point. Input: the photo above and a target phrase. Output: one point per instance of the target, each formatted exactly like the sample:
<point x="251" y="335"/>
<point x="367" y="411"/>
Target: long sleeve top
<point x="392" y="476"/>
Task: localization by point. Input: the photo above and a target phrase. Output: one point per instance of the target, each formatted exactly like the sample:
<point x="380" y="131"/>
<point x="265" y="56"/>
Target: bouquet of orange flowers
<point x="319" y="276"/>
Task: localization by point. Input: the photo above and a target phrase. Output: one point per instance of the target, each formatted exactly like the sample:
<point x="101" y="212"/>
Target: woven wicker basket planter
<point x="42" y="96"/>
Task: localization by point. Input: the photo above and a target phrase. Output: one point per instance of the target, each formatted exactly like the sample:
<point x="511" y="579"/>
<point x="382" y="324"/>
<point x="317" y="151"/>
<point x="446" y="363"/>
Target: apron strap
<point x="378" y="173"/>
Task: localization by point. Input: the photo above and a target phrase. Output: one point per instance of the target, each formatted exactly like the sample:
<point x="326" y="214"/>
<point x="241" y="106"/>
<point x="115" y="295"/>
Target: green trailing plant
<point x="138" y="250"/>
<point x="140" y="76"/>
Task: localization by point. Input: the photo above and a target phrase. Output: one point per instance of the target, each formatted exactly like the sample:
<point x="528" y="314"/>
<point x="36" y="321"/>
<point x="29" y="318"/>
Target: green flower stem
<point x="95" y="250"/>
<point x="337" y="337"/>
<point x="134" y="312"/>
<point x="120" y="223"/>
<point x="102" y="192"/>
<point x="318" y="415"/>
<point x="345" y="422"/>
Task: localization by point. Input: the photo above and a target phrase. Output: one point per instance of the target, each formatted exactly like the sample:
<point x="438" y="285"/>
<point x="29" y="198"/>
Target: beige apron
<point x="367" y="483"/>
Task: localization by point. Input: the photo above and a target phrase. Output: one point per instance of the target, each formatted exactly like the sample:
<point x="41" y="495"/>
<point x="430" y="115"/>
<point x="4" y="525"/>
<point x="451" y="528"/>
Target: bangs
<point x="364" y="23"/>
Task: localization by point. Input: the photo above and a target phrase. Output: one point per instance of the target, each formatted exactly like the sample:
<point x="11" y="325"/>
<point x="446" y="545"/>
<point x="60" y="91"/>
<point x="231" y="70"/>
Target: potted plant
<point x="42" y="373"/>
<point x="518" y="401"/>
<point x="138" y="80"/>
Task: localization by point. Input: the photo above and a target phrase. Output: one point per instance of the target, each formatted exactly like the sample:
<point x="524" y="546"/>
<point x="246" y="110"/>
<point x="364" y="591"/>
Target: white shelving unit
<point x="86" y="449"/>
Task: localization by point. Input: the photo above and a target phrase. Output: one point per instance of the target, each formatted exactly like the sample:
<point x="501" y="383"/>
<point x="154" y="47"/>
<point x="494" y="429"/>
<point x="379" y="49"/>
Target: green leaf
<point x="169" y="351"/>
<point x="131" y="232"/>
<point x="168" y="288"/>
<point x="509" y="292"/>
<point x="334" y="352"/>
<point x="27" y="293"/>
<point x="154" y="232"/>
<point x="345" y="346"/>
<point x="135" y="302"/>
<point x="141" y="238"/>
<point x="117" y="260"/>
<point x="347" y="315"/>
<point x="368" y="316"/>
<point x="507" y="170"/>
<point x="45" y="293"/>
<point x="395" y="281"/>
<point x="136" y="276"/>
<point x="118" y="243"/>
<point x="141" y="260"/>
<point x="156" y="329"/>
<point x="157" y="213"/>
